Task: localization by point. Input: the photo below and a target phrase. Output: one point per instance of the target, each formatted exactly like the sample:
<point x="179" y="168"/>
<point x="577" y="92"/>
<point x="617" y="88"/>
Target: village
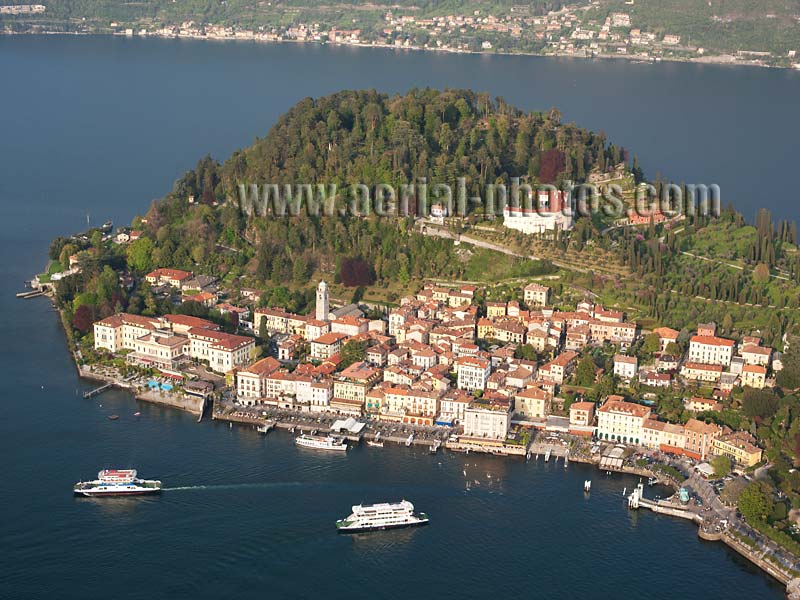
<point x="569" y="31"/>
<point x="437" y="361"/>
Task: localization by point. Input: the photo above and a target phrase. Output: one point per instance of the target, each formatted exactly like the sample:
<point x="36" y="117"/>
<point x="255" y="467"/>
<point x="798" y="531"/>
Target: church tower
<point x="323" y="307"/>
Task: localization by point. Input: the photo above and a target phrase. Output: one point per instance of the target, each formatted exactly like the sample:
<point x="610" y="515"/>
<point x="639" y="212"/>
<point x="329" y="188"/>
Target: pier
<point x="30" y="294"/>
<point x="98" y="390"/>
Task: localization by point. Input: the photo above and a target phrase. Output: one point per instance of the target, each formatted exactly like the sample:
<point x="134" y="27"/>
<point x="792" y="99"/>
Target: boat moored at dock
<point x="321" y="442"/>
<point x="117" y="482"/>
<point x="386" y="515"/>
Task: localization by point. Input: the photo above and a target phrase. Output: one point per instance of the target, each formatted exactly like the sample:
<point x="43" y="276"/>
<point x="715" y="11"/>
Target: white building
<point x="710" y="350"/>
<point x="552" y="212"/>
<point x="487" y="421"/>
<point x="625" y="367"/>
<point x="621" y="421"/>
<point x="473" y="372"/>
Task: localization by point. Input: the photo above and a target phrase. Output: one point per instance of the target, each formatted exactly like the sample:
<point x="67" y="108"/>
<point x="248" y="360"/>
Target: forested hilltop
<point x="746" y="278"/>
<point x="361" y="137"/>
<point x="729" y="31"/>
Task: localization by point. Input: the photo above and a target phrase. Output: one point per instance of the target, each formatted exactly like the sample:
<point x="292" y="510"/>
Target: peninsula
<point x="655" y="339"/>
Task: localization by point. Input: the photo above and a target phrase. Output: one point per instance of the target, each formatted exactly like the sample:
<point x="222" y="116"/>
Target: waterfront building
<point x="251" y="381"/>
<point x="667" y="437"/>
<point x="473" y="372"/>
<point x="699" y="437"/>
<point x="581" y="418"/>
<point x="408" y="405"/>
<point x="161" y="349"/>
<point x="710" y="350"/>
<point x="621" y="421"/>
<point x="355" y="381"/>
<point x="453" y="406"/>
<point x="487" y="420"/>
<point x="321" y="394"/>
<point x="108" y="334"/>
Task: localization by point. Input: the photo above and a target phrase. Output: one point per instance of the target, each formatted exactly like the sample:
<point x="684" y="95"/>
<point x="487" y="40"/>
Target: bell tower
<point x="323" y="305"/>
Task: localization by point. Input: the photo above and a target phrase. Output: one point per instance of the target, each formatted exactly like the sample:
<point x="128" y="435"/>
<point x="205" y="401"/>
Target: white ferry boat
<point x="388" y="515"/>
<point x="321" y="442"/>
<point x="117" y="482"/>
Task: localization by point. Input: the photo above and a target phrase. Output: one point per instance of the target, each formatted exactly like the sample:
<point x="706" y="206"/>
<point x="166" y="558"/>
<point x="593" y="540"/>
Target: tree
<point x="673" y="349"/>
<point x="732" y="490"/>
<point x="761" y="273"/>
<point x="789" y="376"/>
<point x="353" y="351"/>
<point x="355" y="272"/>
<point x="140" y="255"/>
<point x="759" y="403"/>
<point x="585" y="372"/>
<point x="753" y="502"/>
<point x="652" y="343"/>
<point x="722" y="465"/>
<point x="525" y="352"/>
<point x="83" y="318"/>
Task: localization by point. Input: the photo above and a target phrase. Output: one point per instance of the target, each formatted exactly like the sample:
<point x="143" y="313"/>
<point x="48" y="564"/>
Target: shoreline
<point x="253" y="422"/>
<point x="722" y="60"/>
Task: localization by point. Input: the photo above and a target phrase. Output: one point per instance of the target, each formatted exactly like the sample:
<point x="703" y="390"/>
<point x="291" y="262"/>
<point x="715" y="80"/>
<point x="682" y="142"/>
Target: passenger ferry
<point x="321" y="442"/>
<point x="117" y="482"/>
<point x="387" y="515"/>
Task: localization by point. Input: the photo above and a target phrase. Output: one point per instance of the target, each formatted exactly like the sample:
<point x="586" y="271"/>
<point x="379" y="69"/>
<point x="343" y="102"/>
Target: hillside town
<point x="438" y="360"/>
<point x="594" y="29"/>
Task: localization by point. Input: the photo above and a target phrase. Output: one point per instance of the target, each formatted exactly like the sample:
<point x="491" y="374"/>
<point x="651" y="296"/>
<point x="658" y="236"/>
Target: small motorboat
<point x="137" y="414"/>
<point x="113" y="417"/>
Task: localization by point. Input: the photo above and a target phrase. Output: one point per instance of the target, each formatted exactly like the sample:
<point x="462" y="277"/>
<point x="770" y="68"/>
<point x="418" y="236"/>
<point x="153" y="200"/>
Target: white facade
<point x="621" y="421"/>
<point x="323" y="302"/>
<point x="486" y="422"/>
<point x="473" y="372"/>
<point x="710" y="350"/>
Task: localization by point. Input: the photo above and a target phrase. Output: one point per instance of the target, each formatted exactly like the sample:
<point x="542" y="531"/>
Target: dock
<point x="98" y="390"/>
<point x="30" y="294"/>
<point x="266" y="427"/>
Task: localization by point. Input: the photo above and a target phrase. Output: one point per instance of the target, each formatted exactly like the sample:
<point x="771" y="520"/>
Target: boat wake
<point x="232" y="486"/>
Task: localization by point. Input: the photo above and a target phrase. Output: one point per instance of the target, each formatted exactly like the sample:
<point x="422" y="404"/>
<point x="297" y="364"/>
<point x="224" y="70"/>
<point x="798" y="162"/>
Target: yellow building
<point x="739" y="447"/>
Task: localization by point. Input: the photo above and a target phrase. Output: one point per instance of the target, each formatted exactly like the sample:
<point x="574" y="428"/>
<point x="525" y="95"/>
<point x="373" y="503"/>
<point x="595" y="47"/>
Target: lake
<point x="100" y="126"/>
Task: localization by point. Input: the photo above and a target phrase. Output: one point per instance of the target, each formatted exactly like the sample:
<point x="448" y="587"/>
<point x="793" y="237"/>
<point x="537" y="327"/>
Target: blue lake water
<point x="101" y="126"/>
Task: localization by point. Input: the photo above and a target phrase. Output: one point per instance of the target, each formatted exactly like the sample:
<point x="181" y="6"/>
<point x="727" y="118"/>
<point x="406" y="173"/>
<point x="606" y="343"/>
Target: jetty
<point x="266" y="427"/>
<point x="30" y="294"/>
<point x="98" y="390"/>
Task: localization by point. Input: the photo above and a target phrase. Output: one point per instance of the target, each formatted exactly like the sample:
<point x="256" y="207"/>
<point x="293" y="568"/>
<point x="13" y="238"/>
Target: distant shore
<point x="720" y="59"/>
